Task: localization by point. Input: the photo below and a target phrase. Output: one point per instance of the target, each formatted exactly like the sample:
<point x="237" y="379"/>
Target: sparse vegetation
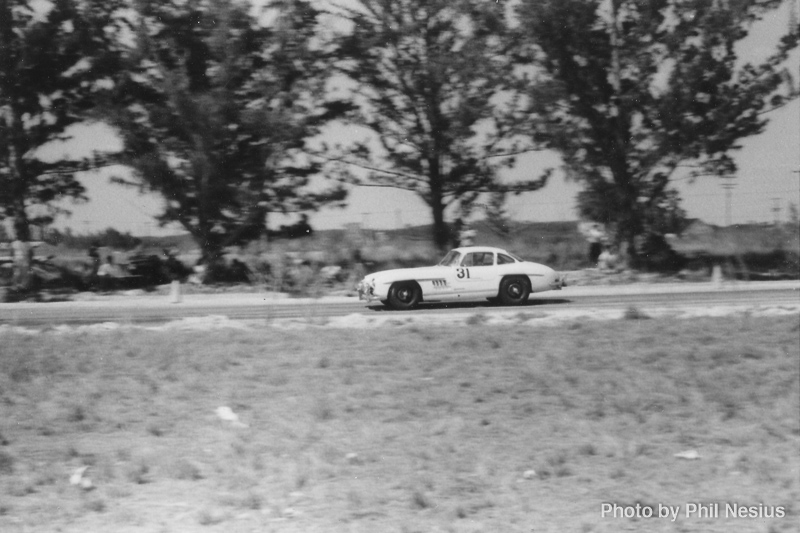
<point x="343" y="431"/>
<point x="634" y="313"/>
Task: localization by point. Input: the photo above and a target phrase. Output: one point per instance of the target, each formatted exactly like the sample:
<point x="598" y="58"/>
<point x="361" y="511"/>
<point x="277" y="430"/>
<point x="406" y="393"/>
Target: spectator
<point x="94" y="260"/>
<point x="607" y="260"/>
<point x="596" y="236"/>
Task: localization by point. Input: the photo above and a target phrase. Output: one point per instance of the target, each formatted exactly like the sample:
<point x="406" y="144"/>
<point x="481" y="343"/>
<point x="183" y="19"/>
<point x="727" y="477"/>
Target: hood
<point x="389" y="276"/>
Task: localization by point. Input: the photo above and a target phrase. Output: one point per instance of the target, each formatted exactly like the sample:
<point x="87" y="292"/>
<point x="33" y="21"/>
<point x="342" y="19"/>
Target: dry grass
<point x="405" y="429"/>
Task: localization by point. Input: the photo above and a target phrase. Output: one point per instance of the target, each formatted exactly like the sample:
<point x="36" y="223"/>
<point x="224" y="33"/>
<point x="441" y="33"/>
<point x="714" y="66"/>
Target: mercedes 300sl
<point x="469" y="273"/>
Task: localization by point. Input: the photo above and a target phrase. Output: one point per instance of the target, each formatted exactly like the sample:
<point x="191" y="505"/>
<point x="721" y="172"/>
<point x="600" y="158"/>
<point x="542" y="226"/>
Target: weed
<point x="76" y="413"/>
<point x="184" y="469"/>
<point x="252" y="501"/>
<point x="587" y="449"/>
<point x="634" y="313"/>
<point x="322" y="410"/>
<point x="6" y="463"/>
<point x="95" y="505"/>
<point x="123" y="454"/>
<point x="477" y="319"/>
<point x="524" y="317"/>
<point x="558" y="464"/>
<point x="21" y="372"/>
<point x="419" y="500"/>
<point x="138" y="472"/>
<point x="155" y="429"/>
<point x="211" y="517"/>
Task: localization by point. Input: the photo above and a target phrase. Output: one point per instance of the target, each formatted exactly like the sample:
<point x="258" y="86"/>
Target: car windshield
<point x="451" y="259"/>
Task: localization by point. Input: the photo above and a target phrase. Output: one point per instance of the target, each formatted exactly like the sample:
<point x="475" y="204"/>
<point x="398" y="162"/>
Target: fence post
<point x="716" y="276"/>
<point x="175" y="292"/>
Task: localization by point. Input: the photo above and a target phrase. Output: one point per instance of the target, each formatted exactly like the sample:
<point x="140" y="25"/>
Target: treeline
<point x="223" y="107"/>
<point x="108" y="238"/>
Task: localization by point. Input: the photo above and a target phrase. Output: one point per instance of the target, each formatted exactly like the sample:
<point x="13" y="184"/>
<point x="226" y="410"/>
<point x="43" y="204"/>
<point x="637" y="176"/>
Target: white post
<point x="716" y="276"/>
<point x="175" y="292"/>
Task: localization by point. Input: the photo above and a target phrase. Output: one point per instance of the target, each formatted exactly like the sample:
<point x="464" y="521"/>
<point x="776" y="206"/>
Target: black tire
<point x="404" y="295"/>
<point x="514" y="290"/>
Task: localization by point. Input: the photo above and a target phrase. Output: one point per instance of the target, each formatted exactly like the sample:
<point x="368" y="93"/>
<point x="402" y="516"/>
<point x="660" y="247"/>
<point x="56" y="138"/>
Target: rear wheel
<point x="404" y="295"/>
<point x="514" y="290"/>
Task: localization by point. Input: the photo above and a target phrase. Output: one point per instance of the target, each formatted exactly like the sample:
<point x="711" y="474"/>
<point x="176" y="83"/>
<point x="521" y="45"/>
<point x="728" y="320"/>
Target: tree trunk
<point x="441" y="233"/>
<point x="23" y="253"/>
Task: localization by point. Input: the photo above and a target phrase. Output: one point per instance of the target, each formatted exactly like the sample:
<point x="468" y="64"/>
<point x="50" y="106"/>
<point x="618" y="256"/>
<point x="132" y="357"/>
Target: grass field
<point x="405" y="429"/>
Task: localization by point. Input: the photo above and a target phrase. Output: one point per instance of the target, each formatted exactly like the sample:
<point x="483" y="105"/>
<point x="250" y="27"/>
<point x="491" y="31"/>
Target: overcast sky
<point x="767" y="177"/>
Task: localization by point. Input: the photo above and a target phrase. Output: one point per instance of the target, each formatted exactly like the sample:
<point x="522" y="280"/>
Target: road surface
<point x="255" y="306"/>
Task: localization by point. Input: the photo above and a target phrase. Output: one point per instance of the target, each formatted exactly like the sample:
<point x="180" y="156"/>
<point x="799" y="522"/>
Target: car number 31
<point x="469" y="273"/>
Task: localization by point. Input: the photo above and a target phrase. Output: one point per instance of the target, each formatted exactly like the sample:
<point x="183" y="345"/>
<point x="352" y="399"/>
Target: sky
<point x="767" y="182"/>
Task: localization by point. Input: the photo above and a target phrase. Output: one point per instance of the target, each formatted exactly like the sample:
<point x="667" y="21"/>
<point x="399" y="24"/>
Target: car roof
<point x="469" y="249"/>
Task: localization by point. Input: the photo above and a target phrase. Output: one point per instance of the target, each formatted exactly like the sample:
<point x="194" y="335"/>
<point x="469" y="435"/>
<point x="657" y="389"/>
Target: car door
<point x="477" y="272"/>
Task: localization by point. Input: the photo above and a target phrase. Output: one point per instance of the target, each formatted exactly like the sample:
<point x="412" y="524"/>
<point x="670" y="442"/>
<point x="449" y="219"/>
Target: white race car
<point x="469" y="273"/>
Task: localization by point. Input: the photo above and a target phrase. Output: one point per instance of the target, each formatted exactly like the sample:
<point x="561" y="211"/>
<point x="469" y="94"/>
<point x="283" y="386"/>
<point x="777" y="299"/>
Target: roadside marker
<point x="175" y="292"/>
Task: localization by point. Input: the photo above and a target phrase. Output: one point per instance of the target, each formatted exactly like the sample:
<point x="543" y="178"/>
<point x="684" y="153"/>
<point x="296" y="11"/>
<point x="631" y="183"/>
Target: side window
<point x="476" y="259"/>
<point x="503" y="259"/>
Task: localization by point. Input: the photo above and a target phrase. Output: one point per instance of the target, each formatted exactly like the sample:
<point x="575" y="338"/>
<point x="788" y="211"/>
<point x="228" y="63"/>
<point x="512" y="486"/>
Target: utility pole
<point x="776" y="210"/>
<point x="728" y="186"/>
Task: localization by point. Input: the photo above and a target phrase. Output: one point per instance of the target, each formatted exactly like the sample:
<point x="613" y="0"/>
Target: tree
<point x="53" y="65"/>
<point x="434" y="82"/>
<point x="215" y="112"/>
<point x="631" y="93"/>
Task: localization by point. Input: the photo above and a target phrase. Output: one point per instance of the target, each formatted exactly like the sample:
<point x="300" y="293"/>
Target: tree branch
<point x="366" y="166"/>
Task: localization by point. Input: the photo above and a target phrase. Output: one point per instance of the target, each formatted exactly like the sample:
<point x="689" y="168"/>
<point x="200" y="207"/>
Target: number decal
<point x="462" y="273"/>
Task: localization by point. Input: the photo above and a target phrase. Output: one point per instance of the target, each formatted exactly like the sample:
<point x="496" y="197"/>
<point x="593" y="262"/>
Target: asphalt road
<point x="154" y="310"/>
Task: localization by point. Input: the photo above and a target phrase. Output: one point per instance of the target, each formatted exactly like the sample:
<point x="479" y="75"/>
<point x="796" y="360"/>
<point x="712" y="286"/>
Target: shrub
<point x="634" y="313"/>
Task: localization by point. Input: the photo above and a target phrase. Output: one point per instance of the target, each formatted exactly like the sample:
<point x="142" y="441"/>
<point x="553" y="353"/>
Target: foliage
<point x="434" y="79"/>
<point x="53" y="67"/>
<point x="54" y="63"/>
<point x="110" y="238"/>
<point x="215" y="112"/>
<point x="633" y="93"/>
<point x="496" y="214"/>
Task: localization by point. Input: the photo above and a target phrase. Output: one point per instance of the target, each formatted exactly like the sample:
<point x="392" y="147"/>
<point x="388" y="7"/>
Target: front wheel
<point x="404" y="295"/>
<point x="514" y="290"/>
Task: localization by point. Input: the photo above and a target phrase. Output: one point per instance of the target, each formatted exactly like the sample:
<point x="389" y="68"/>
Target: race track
<point x="149" y="309"/>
